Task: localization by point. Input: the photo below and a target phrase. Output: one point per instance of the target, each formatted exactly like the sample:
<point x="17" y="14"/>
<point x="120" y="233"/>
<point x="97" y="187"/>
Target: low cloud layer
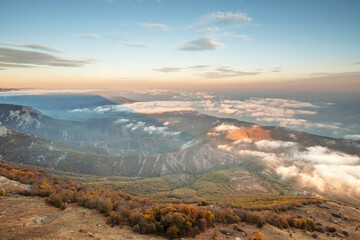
<point x="353" y="136"/>
<point x="326" y="170"/>
<point x="290" y="113"/>
<point x="150" y="129"/>
<point x="140" y="107"/>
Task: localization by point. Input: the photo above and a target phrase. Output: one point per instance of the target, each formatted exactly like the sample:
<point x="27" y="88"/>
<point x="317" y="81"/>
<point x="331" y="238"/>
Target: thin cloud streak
<point x="136" y="45"/>
<point x="35" y="46"/>
<point x="16" y="56"/>
<point x="89" y="36"/>
<point x="155" y="26"/>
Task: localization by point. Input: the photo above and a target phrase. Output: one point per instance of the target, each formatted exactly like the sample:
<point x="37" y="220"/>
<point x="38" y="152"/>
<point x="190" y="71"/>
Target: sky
<point x="243" y="44"/>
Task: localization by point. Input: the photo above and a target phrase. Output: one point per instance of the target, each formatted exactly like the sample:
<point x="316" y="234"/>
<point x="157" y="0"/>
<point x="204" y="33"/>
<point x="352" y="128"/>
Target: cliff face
<point x="255" y="133"/>
<point x="236" y="133"/>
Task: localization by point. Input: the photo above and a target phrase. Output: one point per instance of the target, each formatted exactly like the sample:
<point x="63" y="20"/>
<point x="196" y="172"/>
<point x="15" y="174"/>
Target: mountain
<point x="164" y="143"/>
<point x="185" y="143"/>
<point x="45" y="102"/>
<point x="128" y="133"/>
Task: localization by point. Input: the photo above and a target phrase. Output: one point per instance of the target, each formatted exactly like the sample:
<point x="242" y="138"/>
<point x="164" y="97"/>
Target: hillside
<point x="29" y="217"/>
<point x="273" y="161"/>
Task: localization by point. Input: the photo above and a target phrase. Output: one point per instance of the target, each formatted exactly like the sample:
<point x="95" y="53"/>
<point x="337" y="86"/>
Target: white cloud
<point x="296" y="122"/>
<point x="322" y="155"/>
<point x="89" y="36"/>
<point x="225" y="128"/>
<point x="335" y="179"/>
<point x="318" y="167"/>
<point x="224" y="147"/>
<point x="155" y="26"/>
<point x="353" y="136"/>
<point x="160" y="131"/>
<point x="271" y="144"/>
<point x="201" y="44"/>
<point x="151" y="130"/>
<point x="237" y="36"/>
<point x="121" y="120"/>
<point x="160" y="106"/>
<point x="136" y="45"/>
<point x="212" y="21"/>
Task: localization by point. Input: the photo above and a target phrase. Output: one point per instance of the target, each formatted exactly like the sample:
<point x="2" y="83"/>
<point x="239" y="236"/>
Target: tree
<point x="2" y="192"/>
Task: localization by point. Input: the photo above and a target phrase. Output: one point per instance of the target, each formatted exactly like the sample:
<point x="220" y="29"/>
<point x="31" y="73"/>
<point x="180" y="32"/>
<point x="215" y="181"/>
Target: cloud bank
<point x="329" y="171"/>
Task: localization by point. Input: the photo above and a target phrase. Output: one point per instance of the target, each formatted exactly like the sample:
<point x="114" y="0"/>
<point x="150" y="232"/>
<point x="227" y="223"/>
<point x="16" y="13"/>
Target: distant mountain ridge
<point x="147" y="145"/>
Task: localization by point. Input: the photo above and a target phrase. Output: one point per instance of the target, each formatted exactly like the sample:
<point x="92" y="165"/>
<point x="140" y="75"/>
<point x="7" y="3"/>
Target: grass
<point x="213" y="187"/>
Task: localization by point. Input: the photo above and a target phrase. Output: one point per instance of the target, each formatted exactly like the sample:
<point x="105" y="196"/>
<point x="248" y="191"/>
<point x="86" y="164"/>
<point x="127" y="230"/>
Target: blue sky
<point x="91" y="42"/>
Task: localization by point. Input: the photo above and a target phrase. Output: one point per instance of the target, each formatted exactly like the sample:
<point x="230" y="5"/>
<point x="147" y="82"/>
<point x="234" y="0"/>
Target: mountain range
<point x="131" y="144"/>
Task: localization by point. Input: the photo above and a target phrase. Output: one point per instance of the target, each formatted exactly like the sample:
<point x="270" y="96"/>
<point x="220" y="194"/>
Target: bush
<point x="331" y="229"/>
<point x="2" y="192"/>
<point x="258" y="236"/>
<point x="172" y="232"/>
<point x="63" y="206"/>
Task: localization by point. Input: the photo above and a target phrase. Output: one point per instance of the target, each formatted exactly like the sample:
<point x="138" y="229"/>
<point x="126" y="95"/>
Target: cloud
<point x="40" y="47"/>
<point x="237" y="36"/>
<point x="4" y="66"/>
<point x="211" y="21"/>
<point x="323" y="155"/>
<point x="152" y="107"/>
<point x="155" y="26"/>
<point x="199" y="66"/>
<point x="178" y="69"/>
<point x="329" y="171"/>
<point x="208" y="71"/>
<point x="160" y="131"/>
<point x="168" y="69"/>
<point x="151" y="130"/>
<point x="121" y="120"/>
<point x="136" y="45"/>
<point x="226" y="72"/>
<point x="272" y="145"/>
<point x="295" y="122"/>
<point x="155" y="107"/>
<point x="89" y="36"/>
<point x="277" y="70"/>
<point x="201" y="44"/>
<point x="264" y="109"/>
<point x="35" y="46"/>
<point x="35" y="58"/>
<point x="225" y="128"/>
<point x="353" y="136"/>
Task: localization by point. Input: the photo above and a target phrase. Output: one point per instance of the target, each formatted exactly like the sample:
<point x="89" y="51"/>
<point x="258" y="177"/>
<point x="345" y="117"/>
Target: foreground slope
<point x="29" y="217"/>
